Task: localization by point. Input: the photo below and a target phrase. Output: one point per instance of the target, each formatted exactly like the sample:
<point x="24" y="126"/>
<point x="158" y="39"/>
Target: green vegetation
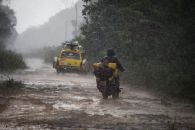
<point x="9" y="60"/>
<point x="154" y="39"/>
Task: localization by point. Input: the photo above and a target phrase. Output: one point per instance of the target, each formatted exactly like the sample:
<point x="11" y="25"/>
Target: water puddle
<point x="66" y="106"/>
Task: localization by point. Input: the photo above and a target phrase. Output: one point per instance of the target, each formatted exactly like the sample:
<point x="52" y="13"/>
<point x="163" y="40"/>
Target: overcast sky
<point x="36" y="12"/>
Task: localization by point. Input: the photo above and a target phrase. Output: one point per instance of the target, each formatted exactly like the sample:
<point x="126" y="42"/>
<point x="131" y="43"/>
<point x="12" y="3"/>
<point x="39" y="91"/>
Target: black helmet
<point x="110" y="52"/>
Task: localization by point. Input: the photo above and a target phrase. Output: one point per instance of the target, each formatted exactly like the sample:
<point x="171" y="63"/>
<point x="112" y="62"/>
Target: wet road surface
<point x="70" y="101"/>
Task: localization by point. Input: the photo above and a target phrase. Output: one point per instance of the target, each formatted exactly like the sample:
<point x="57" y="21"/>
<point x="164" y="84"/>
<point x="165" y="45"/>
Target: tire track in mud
<point x="71" y="101"/>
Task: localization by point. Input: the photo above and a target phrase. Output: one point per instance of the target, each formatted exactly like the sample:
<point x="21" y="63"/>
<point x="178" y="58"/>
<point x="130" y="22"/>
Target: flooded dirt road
<point x="71" y="101"/>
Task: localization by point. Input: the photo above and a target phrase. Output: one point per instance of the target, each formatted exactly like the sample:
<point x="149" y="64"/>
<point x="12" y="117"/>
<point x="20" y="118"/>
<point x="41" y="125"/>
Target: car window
<point x="71" y="55"/>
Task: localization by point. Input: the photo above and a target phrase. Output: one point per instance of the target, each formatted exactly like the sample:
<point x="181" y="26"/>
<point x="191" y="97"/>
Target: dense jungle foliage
<point x="154" y="40"/>
<point x="9" y="60"/>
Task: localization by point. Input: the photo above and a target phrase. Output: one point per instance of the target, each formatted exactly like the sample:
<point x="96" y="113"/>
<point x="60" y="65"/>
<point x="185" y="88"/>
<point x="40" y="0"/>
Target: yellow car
<point x="70" y="60"/>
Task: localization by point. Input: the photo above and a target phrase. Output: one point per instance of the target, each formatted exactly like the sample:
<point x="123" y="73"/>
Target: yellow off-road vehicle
<point x="71" y="57"/>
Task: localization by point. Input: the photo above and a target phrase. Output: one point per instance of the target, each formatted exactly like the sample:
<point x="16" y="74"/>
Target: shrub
<point x="10" y="61"/>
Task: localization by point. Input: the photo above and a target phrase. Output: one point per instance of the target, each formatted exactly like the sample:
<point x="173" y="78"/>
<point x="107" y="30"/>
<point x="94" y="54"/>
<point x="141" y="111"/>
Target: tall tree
<point x="7" y="24"/>
<point x="9" y="60"/>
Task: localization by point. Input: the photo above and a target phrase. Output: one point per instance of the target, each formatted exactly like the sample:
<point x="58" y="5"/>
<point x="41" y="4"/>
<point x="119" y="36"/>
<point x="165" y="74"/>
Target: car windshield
<point x="71" y="55"/>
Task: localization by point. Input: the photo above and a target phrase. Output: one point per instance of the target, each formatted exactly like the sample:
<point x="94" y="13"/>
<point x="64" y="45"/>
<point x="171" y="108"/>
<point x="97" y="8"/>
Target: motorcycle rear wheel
<point x="115" y="95"/>
<point x="105" y="96"/>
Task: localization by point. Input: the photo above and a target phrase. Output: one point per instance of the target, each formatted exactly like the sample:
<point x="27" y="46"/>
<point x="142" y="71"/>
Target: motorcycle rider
<point x="110" y="57"/>
<point x="103" y="72"/>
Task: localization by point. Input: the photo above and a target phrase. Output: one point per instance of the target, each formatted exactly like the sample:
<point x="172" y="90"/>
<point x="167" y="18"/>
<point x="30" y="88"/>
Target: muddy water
<point x="71" y="101"/>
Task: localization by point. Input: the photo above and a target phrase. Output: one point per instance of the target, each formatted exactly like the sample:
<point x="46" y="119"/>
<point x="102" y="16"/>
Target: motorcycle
<point x="107" y="81"/>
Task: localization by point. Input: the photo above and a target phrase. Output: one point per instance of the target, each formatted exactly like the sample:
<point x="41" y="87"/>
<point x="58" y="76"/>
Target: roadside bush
<point x="10" y="61"/>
